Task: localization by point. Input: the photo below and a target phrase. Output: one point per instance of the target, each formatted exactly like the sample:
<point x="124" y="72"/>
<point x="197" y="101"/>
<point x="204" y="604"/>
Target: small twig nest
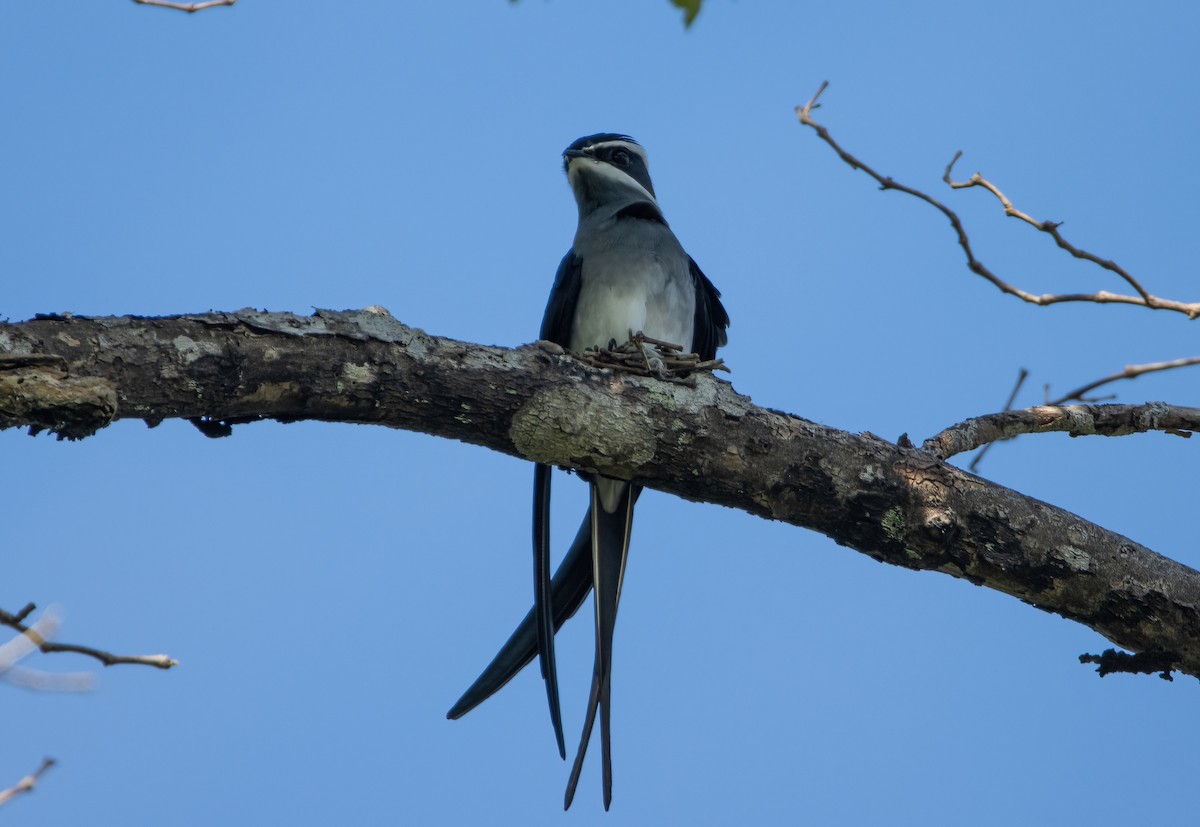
<point x="646" y="356"/>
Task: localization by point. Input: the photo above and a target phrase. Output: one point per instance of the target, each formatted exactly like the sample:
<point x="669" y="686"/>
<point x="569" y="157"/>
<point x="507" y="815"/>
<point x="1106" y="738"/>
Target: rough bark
<point x="698" y="439"/>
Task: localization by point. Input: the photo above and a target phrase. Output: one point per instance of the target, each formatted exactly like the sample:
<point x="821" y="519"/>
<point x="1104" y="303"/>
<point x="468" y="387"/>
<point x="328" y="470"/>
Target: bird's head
<point x="607" y="168"/>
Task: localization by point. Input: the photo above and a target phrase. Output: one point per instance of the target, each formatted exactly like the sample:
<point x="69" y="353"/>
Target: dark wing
<point x="560" y="309"/>
<point x="708" y="332"/>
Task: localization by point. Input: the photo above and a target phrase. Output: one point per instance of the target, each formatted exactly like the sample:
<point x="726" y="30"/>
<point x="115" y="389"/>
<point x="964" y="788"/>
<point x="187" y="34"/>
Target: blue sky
<point x="330" y="590"/>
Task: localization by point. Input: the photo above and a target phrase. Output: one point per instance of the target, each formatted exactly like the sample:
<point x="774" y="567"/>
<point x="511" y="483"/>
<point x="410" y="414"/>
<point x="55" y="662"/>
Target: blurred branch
<point x="1076" y="420"/>
<point x="1022" y="375"/>
<point x="699" y="440"/>
<point x="27" y="783"/>
<point x="190" y="8"/>
<point x="37" y="637"/>
<point x="24" y="644"/>
<point x="1143" y="298"/>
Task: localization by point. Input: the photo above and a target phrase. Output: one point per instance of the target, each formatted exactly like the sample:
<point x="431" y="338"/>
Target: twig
<point x="27" y="783"/>
<point x="190" y="8"/>
<point x="1076" y="420"/>
<point x="1129" y="372"/>
<point x="1049" y="227"/>
<point x="38" y="638"/>
<point x="1143" y="298"/>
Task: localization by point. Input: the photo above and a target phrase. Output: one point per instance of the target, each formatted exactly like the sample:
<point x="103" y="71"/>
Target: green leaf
<point x="691" y="8"/>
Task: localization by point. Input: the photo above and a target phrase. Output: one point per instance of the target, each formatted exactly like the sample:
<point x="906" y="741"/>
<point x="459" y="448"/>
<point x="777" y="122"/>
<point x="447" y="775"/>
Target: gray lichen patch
<point x="583" y="424"/>
<point x="353" y="374"/>
<point x="190" y="350"/>
<point x="1076" y="559"/>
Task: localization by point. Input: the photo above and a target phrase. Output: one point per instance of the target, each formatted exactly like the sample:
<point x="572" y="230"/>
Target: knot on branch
<point x="1141" y="663"/>
<point x="36" y="390"/>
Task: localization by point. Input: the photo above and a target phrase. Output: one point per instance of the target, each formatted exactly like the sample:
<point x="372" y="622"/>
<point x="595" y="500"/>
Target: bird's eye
<point x="620" y="158"/>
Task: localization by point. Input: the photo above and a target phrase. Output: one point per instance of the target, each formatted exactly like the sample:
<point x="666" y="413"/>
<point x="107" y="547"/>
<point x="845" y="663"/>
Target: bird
<point x="625" y="272"/>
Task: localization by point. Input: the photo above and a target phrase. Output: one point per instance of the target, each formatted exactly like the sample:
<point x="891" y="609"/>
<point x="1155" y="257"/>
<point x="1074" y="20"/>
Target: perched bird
<point x="626" y="272"/>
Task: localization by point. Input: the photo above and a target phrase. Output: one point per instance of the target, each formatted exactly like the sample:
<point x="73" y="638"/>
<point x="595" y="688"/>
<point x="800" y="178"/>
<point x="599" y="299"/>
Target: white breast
<point x="623" y="292"/>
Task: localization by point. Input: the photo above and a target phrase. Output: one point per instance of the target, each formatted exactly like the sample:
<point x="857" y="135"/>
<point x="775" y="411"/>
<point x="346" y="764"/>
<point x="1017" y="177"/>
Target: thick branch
<point x="702" y="441"/>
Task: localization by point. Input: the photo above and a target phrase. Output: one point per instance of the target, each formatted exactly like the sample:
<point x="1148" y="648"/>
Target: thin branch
<point x="1076" y="420"/>
<point x="37" y="637"/>
<point x="25" y="784"/>
<point x="1143" y="299"/>
<point x="1129" y="372"/>
<point x="1049" y="227"/>
<point x="190" y="8"/>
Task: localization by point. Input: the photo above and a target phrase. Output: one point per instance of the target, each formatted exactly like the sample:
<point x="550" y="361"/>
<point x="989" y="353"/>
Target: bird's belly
<point x="637" y="295"/>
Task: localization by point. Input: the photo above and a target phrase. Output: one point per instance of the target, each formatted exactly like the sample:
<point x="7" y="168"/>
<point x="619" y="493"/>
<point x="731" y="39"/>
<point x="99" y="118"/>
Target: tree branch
<point x="699" y="440"/>
<point x="1143" y="298"/>
<point x="1076" y="420"/>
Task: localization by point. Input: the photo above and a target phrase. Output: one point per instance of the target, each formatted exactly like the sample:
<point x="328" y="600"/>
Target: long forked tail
<point x="610" y="544"/>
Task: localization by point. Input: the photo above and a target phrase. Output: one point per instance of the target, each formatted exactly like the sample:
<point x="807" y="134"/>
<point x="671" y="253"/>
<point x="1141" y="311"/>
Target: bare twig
<point x="27" y="783"/>
<point x="1076" y="420"/>
<point x="190" y="8"/>
<point x="1143" y="298"/>
<point x="1129" y="372"/>
<point x="1049" y="227"/>
<point x="37" y="638"/>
